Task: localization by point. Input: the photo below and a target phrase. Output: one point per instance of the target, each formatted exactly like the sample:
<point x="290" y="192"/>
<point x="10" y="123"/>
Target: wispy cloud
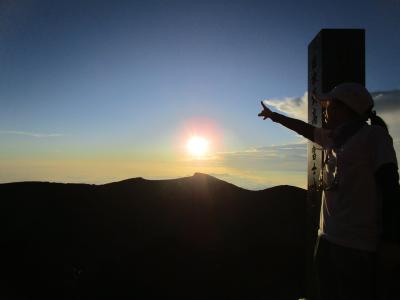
<point x="281" y="158"/>
<point x="293" y="106"/>
<point x="387" y="101"/>
<point x="31" y="134"/>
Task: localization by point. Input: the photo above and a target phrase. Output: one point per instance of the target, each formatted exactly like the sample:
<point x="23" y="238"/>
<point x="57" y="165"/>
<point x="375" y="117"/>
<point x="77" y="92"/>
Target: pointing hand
<point x="266" y="113"/>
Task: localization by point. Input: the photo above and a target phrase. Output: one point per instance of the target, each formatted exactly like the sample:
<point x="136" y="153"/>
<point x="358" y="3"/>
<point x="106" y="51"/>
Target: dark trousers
<point x="344" y="273"/>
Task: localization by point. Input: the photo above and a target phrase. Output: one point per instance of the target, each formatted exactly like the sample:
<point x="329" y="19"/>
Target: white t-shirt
<point x="351" y="213"/>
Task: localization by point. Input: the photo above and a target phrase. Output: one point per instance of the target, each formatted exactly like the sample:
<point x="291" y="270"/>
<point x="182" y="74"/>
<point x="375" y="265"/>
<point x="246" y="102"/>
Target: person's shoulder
<point x="377" y="128"/>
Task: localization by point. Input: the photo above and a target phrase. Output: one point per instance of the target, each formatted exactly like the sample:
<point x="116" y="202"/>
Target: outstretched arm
<point x="302" y="128"/>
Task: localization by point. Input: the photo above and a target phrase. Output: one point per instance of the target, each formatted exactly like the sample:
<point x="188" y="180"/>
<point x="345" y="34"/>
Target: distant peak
<point x="205" y="176"/>
<point x="198" y="174"/>
<point x="127" y="181"/>
<point x="133" y="179"/>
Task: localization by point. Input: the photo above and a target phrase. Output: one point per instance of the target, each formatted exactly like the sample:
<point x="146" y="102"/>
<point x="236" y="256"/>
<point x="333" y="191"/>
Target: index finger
<point x="262" y="103"/>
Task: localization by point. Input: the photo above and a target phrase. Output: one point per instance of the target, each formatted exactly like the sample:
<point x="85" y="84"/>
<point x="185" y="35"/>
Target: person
<point x="360" y="188"/>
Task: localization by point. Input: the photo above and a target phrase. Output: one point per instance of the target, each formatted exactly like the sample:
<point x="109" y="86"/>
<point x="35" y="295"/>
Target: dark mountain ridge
<point x="193" y="237"/>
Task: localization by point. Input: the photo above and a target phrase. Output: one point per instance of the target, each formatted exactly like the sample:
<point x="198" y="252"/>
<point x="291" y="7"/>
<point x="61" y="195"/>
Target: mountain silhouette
<point x="195" y="237"/>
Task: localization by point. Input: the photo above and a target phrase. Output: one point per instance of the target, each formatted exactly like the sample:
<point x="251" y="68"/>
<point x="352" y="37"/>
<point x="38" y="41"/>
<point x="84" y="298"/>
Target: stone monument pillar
<point x="334" y="56"/>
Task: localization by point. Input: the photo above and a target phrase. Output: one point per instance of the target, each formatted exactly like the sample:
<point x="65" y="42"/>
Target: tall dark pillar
<point x="334" y="56"/>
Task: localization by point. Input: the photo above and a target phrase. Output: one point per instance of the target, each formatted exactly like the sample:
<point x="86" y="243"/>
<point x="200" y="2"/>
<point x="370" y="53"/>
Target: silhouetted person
<point x="360" y="184"/>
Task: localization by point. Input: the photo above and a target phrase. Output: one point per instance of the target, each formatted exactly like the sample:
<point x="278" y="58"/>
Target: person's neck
<point x="343" y="123"/>
<point x="346" y="129"/>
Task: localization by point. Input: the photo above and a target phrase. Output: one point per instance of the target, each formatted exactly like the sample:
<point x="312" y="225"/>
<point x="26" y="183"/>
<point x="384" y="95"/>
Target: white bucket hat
<point x="354" y="95"/>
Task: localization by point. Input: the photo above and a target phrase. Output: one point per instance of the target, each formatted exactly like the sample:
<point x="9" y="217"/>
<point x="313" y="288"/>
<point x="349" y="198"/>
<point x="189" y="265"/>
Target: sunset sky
<point x="100" y="91"/>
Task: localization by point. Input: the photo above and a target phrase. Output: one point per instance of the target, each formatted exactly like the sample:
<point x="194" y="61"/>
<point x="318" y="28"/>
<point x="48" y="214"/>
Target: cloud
<point x="295" y="107"/>
<point x="31" y="134"/>
<point x="262" y="167"/>
<point x="275" y="158"/>
<point x="387" y="101"/>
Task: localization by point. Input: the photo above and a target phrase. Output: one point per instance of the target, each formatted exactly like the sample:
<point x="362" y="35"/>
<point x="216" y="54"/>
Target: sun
<point x="197" y="146"/>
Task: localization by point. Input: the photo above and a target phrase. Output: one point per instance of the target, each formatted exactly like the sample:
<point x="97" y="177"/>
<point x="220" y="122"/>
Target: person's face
<point x="334" y="112"/>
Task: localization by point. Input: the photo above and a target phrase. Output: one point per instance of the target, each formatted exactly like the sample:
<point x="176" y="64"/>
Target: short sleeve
<point x="322" y="138"/>
<point x="382" y="147"/>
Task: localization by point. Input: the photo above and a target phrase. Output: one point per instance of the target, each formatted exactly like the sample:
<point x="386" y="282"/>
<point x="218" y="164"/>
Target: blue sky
<point x="98" y="80"/>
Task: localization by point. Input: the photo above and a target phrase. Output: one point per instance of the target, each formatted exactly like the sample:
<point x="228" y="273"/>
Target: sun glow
<point x="197" y="146"/>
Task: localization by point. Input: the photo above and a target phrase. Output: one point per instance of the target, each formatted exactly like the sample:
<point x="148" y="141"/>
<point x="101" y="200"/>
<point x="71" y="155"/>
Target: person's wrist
<point x="273" y="116"/>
